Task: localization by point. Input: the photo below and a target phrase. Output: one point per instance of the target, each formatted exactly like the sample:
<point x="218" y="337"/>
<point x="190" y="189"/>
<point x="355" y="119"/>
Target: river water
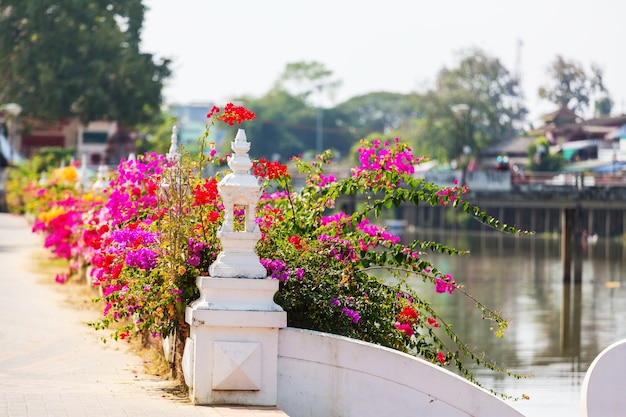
<point x="555" y="330"/>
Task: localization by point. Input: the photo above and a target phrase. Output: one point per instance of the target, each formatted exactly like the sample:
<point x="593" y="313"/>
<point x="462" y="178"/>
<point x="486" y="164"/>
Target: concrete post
<point x="102" y="179"/>
<point x="231" y="356"/>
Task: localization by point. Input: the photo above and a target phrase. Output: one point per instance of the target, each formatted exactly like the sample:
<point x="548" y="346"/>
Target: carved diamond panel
<point x="237" y="366"/>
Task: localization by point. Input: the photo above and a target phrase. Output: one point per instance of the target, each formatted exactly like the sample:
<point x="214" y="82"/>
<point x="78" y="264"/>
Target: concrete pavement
<point x="53" y="365"/>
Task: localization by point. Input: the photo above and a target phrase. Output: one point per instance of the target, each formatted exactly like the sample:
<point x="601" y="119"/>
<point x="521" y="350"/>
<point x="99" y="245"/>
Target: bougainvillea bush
<point x="155" y="233"/>
<point x="329" y="262"/>
<point x="60" y="207"/>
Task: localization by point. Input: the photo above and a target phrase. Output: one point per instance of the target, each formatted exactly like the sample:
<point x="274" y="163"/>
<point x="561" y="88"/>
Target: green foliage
<point x="286" y="122"/>
<point x="603" y="106"/>
<point x="78" y="58"/>
<point x="286" y="125"/>
<point x="48" y="158"/>
<point x="540" y="159"/>
<point x="18" y="183"/>
<point x="380" y="113"/>
<point x="279" y="124"/>
<point x="155" y="136"/>
<point x="20" y="187"/>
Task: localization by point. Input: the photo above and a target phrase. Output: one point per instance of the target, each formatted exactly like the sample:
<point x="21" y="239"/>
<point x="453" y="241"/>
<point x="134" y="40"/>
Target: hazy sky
<point x="225" y="48"/>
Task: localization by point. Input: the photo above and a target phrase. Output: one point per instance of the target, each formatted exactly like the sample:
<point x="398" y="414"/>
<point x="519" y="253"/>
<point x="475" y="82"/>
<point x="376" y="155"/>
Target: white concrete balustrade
<point x="327" y="375"/>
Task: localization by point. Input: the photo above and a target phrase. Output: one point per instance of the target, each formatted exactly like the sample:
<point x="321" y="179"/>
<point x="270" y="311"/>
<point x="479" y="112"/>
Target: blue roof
<point x="612" y="167"/>
<point x="620" y="133"/>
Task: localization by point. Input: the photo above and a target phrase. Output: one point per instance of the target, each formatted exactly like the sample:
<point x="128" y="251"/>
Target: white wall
<point x="332" y="376"/>
<point x="604" y="387"/>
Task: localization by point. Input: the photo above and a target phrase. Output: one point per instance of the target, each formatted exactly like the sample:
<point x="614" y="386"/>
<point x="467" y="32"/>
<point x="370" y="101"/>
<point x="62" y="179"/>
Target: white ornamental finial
<point x="240" y="163"/>
<point x="83" y="174"/>
<point x="43" y="179"/>
<point x="240" y="192"/>
<point x="173" y="154"/>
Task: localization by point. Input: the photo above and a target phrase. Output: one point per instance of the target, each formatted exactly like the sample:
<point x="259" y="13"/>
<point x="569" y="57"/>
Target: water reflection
<point x="555" y="331"/>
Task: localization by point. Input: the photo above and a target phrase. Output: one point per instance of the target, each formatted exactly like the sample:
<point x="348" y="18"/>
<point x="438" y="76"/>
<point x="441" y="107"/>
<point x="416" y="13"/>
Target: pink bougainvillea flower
<point x="352" y="314"/>
<point x="406" y="328"/>
<point x="445" y="284"/>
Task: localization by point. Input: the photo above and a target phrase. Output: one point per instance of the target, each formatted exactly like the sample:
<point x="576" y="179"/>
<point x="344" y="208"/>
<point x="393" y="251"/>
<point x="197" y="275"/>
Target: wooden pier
<point x="576" y="211"/>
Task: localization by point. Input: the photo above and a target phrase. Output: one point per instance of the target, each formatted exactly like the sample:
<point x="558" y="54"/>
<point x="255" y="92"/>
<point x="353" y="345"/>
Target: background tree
<point x="313" y="83"/>
<point x="78" y="58"/>
<point x="603" y="103"/>
<point x="380" y="112"/>
<point x="155" y="135"/>
<point x="277" y="129"/>
<point x="473" y="105"/>
<point x="286" y="126"/>
<point x="306" y="79"/>
<point x="289" y="117"/>
<point x="572" y="87"/>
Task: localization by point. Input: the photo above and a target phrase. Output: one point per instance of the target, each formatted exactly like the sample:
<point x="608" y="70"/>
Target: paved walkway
<point x="53" y="365"/>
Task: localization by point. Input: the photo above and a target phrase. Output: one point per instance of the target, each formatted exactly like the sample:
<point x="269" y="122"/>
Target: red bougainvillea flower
<point x="433" y="322"/>
<point x="205" y="193"/>
<point x="270" y="170"/>
<point x="441" y="357"/>
<point x="213" y="216"/>
<point x="296" y="242"/>
<point x="233" y="114"/>
<point x="408" y="315"/>
<point x="214" y="110"/>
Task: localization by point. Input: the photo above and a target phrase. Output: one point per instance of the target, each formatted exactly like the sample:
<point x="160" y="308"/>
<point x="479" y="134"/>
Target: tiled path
<point x="53" y="365"/>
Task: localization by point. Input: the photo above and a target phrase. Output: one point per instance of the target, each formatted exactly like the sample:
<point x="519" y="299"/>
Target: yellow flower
<point x="48" y="216"/>
<point x="67" y="174"/>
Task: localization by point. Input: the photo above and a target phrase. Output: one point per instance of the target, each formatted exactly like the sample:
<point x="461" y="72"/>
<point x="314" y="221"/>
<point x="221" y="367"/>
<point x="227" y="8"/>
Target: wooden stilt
<point x="567" y="217"/>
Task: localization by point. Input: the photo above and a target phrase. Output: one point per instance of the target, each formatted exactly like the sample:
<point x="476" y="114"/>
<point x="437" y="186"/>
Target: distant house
<point x="101" y="142"/>
<point x="591" y="144"/>
<point x="88" y="140"/>
<point x="515" y="150"/>
<point x="579" y="140"/>
<point x="37" y="134"/>
<point x="555" y="124"/>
